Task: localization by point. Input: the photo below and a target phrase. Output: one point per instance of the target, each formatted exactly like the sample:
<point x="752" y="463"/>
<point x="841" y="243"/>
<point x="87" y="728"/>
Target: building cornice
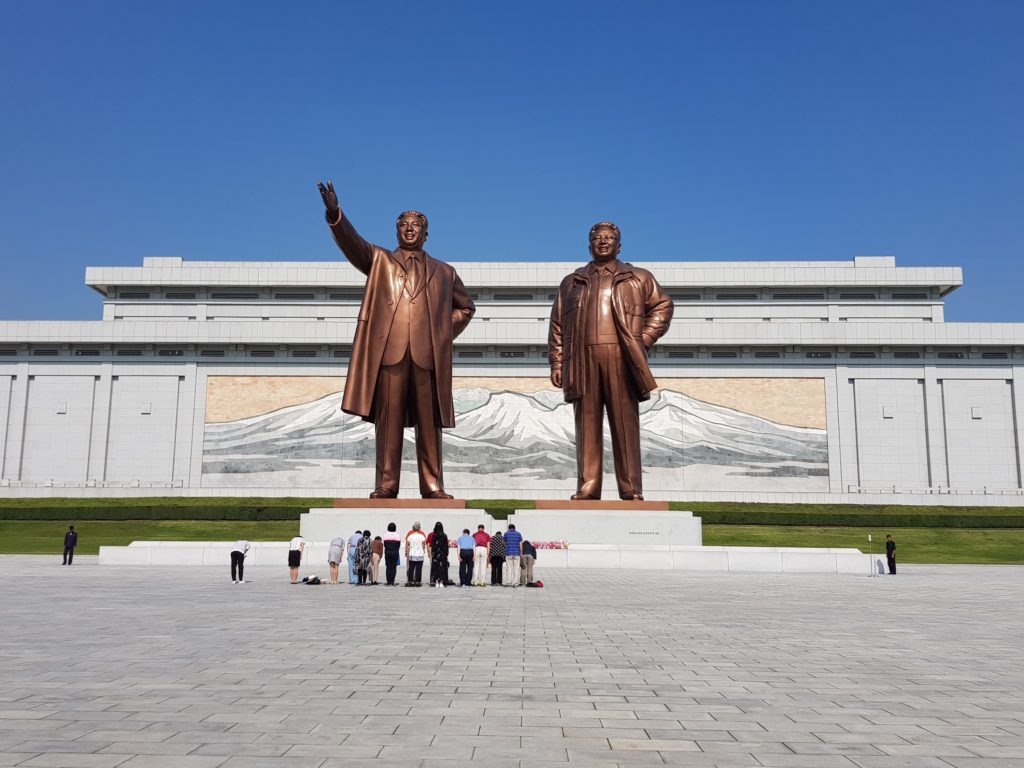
<point x="508" y="332"/>
<point x="858" y="272"/>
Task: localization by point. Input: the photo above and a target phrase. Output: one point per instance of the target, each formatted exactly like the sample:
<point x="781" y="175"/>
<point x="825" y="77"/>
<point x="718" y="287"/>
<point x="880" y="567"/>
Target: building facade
<point x="779" y="381"/>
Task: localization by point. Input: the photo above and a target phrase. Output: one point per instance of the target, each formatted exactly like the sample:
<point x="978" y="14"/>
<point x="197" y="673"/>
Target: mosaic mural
<point x="758" y="434"/>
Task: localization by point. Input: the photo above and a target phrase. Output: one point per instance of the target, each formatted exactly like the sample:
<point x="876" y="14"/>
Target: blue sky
<point x="709" y="131"/>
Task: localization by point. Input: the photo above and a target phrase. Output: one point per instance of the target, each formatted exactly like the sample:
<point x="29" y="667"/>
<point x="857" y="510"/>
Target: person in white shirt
<point x="238" y="553"/>
<point x="415" y="551"/>
<point x="295" y="549"/>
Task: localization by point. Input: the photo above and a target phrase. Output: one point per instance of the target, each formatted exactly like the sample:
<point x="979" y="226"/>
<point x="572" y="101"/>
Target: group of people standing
<point x="509" y="556"/>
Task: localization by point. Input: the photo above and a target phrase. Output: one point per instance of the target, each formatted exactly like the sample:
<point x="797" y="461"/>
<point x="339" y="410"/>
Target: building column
<point x="6" y="382"/>
<point x="834" y="431"/>
<point x="935" y="428"/>
<point x="100" y="438"/>
<point x="847" y="407"/>
<point x="184" y="432"/>
<point x="16" y="414"/>
<point x="194" y="430"/>
<point x="1018" y="419"/>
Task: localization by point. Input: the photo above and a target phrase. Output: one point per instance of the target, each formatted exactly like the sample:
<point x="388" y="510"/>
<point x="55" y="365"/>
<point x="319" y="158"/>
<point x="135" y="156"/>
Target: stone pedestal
<point x="600" y="504"/>
<point x="399" y="503"/>
<point x="612" y="534"/>
<point x="609" y="524"/>
<point x="322" y="525"/>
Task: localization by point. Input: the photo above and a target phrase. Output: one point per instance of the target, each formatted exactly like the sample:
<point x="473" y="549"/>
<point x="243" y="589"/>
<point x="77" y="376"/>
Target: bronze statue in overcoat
<point x="606" y="316"/>
<point x="400" y="371"/>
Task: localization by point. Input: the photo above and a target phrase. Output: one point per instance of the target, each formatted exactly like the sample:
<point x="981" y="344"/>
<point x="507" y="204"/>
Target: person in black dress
<point x="438" y="556"/>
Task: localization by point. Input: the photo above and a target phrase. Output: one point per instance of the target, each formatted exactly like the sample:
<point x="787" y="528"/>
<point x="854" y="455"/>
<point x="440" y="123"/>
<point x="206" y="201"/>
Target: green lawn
<point x="253" y="509"/>
<point x="913" y="545"/>
<point x="31" y="537"/>
<point x="71" y="503"/>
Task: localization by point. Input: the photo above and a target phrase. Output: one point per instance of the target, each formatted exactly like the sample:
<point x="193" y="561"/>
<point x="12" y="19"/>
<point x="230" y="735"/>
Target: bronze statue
<point x="400" y="372"/>
<point x="606" y="316"/>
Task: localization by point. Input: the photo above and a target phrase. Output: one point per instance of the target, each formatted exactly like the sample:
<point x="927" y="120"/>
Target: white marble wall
<point x="954" y="436"/>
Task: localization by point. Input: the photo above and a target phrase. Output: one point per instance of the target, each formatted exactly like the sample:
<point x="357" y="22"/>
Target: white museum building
<point x="831" y="381"/>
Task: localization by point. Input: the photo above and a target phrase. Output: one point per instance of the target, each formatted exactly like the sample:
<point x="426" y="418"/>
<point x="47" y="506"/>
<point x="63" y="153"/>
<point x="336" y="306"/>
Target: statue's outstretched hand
<point x="330" y="199"/>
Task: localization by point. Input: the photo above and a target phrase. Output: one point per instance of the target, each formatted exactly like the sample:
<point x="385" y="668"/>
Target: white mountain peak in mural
<point x="506" y="432"/>
<point x="512" y="418"/>
<point x="713" y="426"/>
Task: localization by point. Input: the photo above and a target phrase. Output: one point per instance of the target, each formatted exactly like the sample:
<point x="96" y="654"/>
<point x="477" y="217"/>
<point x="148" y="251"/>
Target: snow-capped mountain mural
<point x="519" y="441"/>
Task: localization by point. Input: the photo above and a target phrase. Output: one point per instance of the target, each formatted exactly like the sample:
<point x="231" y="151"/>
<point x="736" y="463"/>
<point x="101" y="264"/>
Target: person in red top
<point x="482" y="540"/>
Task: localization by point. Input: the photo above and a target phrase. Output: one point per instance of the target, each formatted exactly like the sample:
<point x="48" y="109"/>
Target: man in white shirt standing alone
<point x="238" y="553"/>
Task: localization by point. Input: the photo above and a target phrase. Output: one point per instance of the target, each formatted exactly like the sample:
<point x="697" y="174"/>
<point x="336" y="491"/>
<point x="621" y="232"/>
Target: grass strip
<point x="713" y="513"/>
<point x="34" y="538"/>
<point x="914" y="545"/>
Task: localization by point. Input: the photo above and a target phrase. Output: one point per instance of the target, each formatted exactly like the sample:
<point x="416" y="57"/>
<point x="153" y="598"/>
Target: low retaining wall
<point x="668" y="558"/>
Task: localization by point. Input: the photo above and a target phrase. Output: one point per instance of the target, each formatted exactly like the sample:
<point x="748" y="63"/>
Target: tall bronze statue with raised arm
<point x="400" y="372"/>
<point x="606" y="316"/>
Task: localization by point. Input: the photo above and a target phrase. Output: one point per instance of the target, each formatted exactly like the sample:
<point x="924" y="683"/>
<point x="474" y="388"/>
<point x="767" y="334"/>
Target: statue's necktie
<point x="412" y="270"/>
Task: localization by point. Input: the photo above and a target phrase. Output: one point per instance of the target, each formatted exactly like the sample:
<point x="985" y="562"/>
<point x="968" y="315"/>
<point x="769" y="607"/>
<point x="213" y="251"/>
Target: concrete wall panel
<point x="892" y="447"/>
<point x="58" y="427"/>
<point x="143" y="424"/>
<point x="981" y="440"/>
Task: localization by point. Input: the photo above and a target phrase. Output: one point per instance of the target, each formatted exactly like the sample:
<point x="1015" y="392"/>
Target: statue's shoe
<point x="384" y="493"/>
<point x="438" y="494"/>
<point x="632" y="496"/>
<point x="583" y="497"/>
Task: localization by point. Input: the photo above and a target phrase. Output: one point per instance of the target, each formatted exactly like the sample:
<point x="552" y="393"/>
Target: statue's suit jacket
<point x="449" y="309"/>
<point x="642" y="313"/>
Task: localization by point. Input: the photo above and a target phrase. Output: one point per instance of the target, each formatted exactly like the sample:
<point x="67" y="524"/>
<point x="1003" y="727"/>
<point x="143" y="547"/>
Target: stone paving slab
<point x="129" y="667"/>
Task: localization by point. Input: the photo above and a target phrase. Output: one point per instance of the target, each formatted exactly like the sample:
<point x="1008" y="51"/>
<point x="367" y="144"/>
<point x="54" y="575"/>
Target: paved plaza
<point x="135" y="667"/>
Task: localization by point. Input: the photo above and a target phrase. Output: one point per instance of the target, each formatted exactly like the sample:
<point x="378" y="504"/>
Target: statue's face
<point x="412" y="232"/>
<point x="604" y="245"/>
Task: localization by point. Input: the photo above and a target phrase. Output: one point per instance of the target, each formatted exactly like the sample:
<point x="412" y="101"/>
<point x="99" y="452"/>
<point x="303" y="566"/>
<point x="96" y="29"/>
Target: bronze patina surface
<point x="400" y="372"/>
<point x="606" y="316"/>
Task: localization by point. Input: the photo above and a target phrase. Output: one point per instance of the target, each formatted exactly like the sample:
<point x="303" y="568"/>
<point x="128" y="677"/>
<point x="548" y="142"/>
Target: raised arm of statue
<point x="330" y="198"/>
<point x="356" y="249"/>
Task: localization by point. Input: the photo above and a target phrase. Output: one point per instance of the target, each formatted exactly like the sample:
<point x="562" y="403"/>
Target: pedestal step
<point x="609" y="526"/>
<point x="325" y="524"/>
<point x="665" y="558"/>
<point x="400" y="503"/>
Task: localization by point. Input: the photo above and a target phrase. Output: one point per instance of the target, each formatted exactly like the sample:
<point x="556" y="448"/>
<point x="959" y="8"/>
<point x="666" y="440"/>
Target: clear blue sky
<point x="717" y="130"/>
